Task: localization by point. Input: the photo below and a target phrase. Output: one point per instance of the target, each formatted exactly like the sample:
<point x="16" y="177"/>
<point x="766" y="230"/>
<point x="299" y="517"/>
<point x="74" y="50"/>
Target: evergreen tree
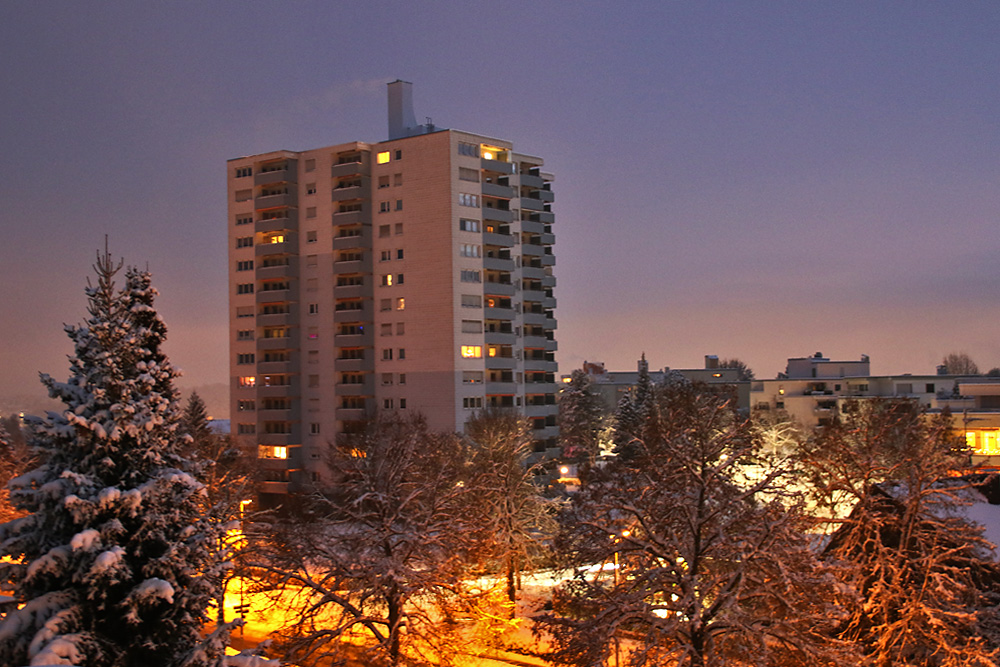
<point x="627" y="426"/>
<point x="194" y="421"/>
<point x="111" y="564"/>
<point x="579" y="419"/>
<point x="229" y="475"/>
<point x="744" y="372"/>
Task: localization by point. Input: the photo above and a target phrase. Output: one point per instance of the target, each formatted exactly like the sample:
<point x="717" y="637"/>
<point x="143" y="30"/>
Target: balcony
<point x="349" y="218"/>
<point x="536" y="341"/>
<point x="365" y="339"/>
<point x="350" y="242"/>
<point x="288" y="223"/>
<point x="499" y="338"/>
<point x="534" y="318"/>
<point x="545" y="433"/>
<point x="498" y="313"/>
<point x="532" y="181"/>
<point x="501" y="363"/>
<point x="278" y="367"/>
<point x="280" y="439"/>
<point x="288" y="270"/>
<point x="351" y="291"/>
<point x="498" y="264"/>
<point x="285" y="175"/>
<point x="529" y="204"/>
<point x="501" y="388"/>
<point x="497" y="215"/>
<point x="497" y="166"/>
<point x="366" y="388"/>
<point x="532" y="250"/>
<point x="363" y="314"/>
<point x="355" y="365"/>
<point x="269" y="344"/>
<point x="533" y="272"/>
<point x="279" y="391"/>
<point x="548" y="281"/>
<point x="276" y="319"/>
<point x="548" y="260"/>
<point x="502" y="240"/>
<point x="348" y="194"/>
<point x="280" y="415"/>
<point x="277" y="488"/>
<point x="289" y="246"/>
<point x="266" y="296"/>
<point x="274" y="201"/>
<point x="498" y="289"/>
<point x="347" y="169"/>
<point x="500" y="191"/>
<point x="351" y="414"/>
<point x="547" y="238"/>
<point x="540" y="365"/>
<point x="532" y="295"/>
<point x="545" y="217"/>
<point x="532" y="227"/>
<point x="540" y="410"/>
<point x="543" y="195"/>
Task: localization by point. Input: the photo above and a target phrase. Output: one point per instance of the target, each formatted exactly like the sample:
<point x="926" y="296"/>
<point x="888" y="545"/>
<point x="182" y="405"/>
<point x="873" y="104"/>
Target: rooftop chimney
<point x="402" y="121"/>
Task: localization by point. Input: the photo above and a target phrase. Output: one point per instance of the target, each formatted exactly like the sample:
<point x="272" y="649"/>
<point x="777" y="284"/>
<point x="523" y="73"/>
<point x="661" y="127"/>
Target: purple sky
<point x="751" y="179"/>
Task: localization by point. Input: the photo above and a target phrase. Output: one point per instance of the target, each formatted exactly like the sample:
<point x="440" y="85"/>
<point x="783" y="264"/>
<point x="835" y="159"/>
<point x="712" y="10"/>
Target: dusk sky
<point x="754" y="179"/>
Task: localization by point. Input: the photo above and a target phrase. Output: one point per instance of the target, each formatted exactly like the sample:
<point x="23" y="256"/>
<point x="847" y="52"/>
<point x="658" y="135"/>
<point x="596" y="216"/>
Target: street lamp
<point x="617" y="540"/>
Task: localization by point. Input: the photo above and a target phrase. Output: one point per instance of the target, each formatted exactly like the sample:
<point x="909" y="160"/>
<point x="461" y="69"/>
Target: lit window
<point x="990" y="447"/>
<point x="382" y="157"/>
<point x="387" y="280"/>
<point x="277" y="238"/>
<point x="970" y="440"/>
<point x="472" y="351"/>
<point x="272" y="452"/>
<point x="248" y="381"/>
<point x="400" y="303"/>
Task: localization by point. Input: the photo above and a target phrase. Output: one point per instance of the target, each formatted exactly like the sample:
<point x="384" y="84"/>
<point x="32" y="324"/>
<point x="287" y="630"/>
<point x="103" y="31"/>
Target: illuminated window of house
<point x="493" y="153"/>
<point x="493" y="350"/>
<point x="990" y="446"/>
<point x="382" y="157"/>
<point x="970" y="440"/>
<point x="272" y="452"/>
<point x="400" y="303"/>
<point x="277" y="238"/>
<point x="472" y="351"/>
<point x="248" y="381"/>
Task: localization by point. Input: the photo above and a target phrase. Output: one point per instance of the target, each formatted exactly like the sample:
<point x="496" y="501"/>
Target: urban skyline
<point x="752" y="182"/>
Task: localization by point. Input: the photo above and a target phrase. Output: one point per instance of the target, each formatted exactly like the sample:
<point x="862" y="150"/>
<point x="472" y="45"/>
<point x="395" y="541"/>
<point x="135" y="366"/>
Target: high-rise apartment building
<point x="412" y="275"/>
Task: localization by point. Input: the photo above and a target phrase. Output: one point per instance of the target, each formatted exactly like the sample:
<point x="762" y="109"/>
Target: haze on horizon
<point x="758" y="180"/>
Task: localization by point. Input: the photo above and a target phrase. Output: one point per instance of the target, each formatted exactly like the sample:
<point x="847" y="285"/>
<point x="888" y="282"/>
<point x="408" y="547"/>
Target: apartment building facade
<point x="413" y="274"/>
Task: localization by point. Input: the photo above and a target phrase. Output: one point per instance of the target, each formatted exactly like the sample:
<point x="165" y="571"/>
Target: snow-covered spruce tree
<point x="883" y="473"/>
<point x="627" y="426"/>
<point x="111" y="561"/>
<point x="230" y="476"/>
<point x="579" y="420"/>
<point x="684" y="558"/>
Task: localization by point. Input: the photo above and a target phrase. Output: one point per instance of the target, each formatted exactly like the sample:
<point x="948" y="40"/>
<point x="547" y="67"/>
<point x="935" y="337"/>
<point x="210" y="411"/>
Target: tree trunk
<point x="395" y="613"/>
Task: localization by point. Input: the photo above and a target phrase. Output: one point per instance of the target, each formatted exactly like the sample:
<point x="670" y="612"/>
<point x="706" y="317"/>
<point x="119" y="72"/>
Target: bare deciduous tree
<point x="689" y="557"/>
